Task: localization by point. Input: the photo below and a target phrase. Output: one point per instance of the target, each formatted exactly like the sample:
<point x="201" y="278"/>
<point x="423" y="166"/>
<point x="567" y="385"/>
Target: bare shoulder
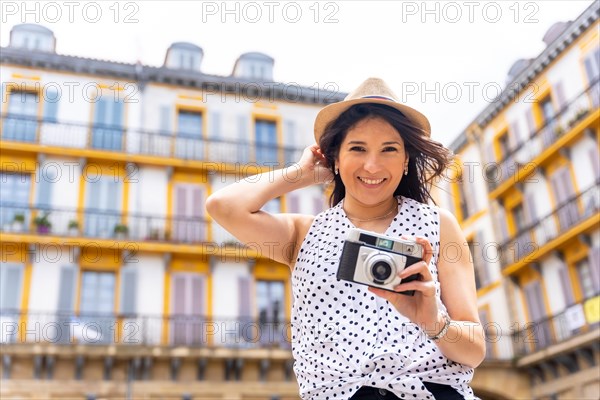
<point x="449" y="227"/>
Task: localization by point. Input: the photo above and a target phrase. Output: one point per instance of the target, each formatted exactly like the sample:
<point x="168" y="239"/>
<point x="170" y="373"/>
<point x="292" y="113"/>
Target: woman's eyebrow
<point x="383" y="144"/>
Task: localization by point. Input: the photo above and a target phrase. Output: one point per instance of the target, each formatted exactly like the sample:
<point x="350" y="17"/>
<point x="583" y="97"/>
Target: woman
<point x="350" y="340"/>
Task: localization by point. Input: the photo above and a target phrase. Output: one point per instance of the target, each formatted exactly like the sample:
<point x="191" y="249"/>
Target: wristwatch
<point x="441" y="333"/>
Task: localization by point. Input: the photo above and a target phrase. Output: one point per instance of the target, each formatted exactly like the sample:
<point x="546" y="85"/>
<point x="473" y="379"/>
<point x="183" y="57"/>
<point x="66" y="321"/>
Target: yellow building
<point x="526" y="191"/>
<point x="114" y="281"/>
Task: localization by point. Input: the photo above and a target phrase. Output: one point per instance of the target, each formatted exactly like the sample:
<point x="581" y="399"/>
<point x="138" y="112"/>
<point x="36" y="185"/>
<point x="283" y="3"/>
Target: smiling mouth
<point x="371" y="181"/>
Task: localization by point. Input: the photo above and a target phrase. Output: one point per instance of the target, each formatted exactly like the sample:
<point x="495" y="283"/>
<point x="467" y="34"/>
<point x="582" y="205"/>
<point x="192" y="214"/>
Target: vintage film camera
<point x="375" y="260"/>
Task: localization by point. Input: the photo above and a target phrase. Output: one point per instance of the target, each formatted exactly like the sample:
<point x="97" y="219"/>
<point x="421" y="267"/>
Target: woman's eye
<point x="390" y="149"/>
<point x="357" y="148"/>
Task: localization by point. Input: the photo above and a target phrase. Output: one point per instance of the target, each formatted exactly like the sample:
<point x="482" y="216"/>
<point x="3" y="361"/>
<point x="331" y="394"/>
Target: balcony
<point x="135" y="142"/>
<point x="194" y="331"/>
<point x="100" y="224"/>
<point x="527" y="245"/>
<point x="569" y="324"/>
<point x="567" y="118"/>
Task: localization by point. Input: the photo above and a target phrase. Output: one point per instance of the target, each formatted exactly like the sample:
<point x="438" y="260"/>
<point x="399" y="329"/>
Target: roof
<point x="144" y="74"/>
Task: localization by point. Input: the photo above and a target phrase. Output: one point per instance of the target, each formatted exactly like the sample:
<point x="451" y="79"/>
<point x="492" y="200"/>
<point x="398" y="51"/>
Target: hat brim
<point x="333" y="111"/>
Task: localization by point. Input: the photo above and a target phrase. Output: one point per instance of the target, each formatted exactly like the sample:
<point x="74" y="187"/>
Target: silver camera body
<point x="375" y="260"/>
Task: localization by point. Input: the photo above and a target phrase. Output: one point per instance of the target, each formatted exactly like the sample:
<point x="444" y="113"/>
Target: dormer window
<point x="186" y="56"/>
<point x="257" y="66"/>
<point x="32" y="37"/>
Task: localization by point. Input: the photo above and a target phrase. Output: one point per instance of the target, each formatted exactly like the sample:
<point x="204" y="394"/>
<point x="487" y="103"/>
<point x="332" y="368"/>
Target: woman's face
<point x="371" y="162"/>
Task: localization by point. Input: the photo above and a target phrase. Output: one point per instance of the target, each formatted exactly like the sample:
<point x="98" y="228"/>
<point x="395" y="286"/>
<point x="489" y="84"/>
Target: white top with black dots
<point x="344" y="337"/>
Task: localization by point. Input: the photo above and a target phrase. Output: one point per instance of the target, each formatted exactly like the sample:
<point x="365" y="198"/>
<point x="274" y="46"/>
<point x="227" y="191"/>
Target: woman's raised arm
<point x="237" y="207"/>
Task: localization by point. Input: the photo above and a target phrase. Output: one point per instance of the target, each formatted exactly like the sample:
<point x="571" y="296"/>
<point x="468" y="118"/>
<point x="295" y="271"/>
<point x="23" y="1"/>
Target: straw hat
<point x="373" y="90"/>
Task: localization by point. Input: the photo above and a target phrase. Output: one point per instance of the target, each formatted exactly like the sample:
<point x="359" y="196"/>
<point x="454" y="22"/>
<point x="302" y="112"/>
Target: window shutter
<point x="529" y="208"/>
<point x="51" y="105"/>
<point x="517" y="138"/>
<point x="243" y="137"/>
<point x="534" y="302"/>
<point x="530" y="121"/>
<point x="197" y="293"/>
<point x="66" y="294"/>
<point x="117" y="114"/>
<point x="293" y="203"/>
<point x="560" y="95"/>
<point x="128" y="290"/>
<point x="11" y="276"/>
<point x="113" y="188"/>
<point x="165" y="119"/>
<point x="178" y="296"/>
<point x="46" y="179"/>
<point x="595" y="159"/>
<point x="501" y="219"/>
<point x="469" y="186"/>
<point x="317" y="205"/>
<point x="594" y="257"/>
<point x="244" y="304"/>
<point x="565" y="282"/>
<point x="591" y="67"/>
<point x="215" y="123"/>
<point x="100" y="112"/>
<point x="479" y="258"/>
<point x="198" y="213"/>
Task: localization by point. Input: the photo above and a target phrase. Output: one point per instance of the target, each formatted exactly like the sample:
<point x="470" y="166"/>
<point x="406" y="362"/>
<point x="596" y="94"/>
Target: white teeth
<point x="371" y="181"/>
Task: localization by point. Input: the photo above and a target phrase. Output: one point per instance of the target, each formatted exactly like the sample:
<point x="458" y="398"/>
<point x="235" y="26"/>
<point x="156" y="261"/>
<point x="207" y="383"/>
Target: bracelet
<point x="441" y="333"/>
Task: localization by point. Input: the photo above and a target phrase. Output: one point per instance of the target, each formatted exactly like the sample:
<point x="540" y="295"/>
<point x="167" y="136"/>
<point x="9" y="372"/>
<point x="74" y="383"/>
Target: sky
<point x="448" y="59"/>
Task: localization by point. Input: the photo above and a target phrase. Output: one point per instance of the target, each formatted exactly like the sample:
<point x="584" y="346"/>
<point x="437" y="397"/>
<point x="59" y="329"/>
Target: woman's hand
<point x="314" y="162"/>
<point x="422" y="308"/>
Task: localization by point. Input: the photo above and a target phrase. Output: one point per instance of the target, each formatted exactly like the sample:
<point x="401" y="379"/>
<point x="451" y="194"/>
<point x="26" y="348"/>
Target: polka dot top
<point x="345" y="337"/>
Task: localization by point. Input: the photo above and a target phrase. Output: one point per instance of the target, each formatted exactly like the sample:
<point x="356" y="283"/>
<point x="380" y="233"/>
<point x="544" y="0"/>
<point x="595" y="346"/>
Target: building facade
<point x="114" y="281"/>
<point x="525" y="188"/>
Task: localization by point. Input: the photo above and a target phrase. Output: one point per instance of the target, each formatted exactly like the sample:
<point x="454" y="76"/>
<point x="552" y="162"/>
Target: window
<point x="14" y="199"/>
<point x="270" y="299"/>
<point x="103" y="207"/>
<point x="462" y="196"/>
<point x="478" y="279"/>
<point x="592" y="69"/>
<point x="97" y="307"/>
<point x="187" y="308"/>
<point x="547" y="109"/>
<point x="518" y="215"/>
<point x="11" y="281"/>
<point x="266" y="142"/>
<point x="108" y="123"/>
<point x="21" y="122"/>
<point x="188" y="213"/>
<point x="504" y="142"/>
<point x="586" y="280"/>
<point x="189" y="135"/>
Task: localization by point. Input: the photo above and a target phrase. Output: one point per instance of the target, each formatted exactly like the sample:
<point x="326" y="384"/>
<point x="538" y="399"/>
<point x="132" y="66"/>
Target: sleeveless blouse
<point x="344" y="337"/>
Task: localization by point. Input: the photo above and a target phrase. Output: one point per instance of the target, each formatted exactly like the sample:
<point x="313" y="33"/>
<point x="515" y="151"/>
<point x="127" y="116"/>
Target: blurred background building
<point x="525" y="188"/>
<point x="114" y="283"/>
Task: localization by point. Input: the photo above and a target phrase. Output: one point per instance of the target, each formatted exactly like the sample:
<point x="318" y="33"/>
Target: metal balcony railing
<point x="21" y="128"/>
<point x="574" y="111"/>
<point x="538" y="335"/>
<point x="567" y="215"/>
<point x="66" y="328"/>
<point x="102" y="224"/>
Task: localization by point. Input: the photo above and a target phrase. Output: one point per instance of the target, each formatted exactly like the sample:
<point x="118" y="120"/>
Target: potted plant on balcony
<point x="121" y="231"/>
<point x="73" y="227"/>
<point x="18" y="222"/>
<point x="42" y="223"/>
<point x="154" y="234"/>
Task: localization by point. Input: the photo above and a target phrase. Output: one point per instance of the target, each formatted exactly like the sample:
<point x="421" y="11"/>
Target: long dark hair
<point x="427" y="158"/>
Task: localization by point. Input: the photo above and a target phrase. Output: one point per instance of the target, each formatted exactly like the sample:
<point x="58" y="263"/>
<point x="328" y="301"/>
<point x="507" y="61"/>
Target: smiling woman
<point x="350" y="340"/>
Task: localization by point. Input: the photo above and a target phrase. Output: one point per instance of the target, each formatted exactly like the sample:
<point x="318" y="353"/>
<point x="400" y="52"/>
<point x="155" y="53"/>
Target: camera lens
<point x="381" y="271"/>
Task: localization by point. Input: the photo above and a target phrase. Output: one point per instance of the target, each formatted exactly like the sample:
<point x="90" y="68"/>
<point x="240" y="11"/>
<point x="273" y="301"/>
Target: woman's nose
<point x="372" y="164"/>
